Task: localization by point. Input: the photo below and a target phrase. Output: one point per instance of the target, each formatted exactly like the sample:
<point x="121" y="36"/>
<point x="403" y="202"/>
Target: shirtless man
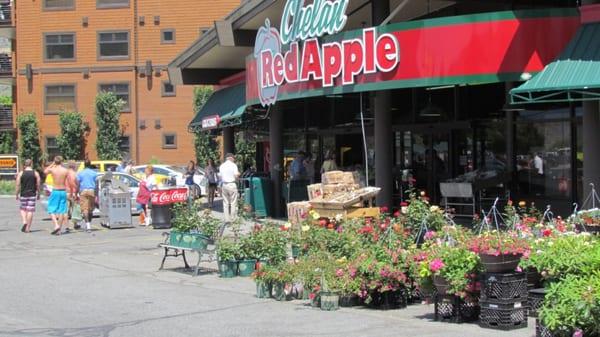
<point x="57" y="203"/>
<point x="71" y="185"/>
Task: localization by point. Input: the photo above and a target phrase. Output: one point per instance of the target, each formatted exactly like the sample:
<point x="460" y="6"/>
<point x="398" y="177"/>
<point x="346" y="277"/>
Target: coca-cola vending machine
<point x="162" y="199"/>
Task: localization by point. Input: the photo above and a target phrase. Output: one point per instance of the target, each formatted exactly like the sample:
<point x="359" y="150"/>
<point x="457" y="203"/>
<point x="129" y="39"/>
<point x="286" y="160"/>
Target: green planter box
<point x="263" y="290"/>
<point x="228" y="269"/>
<point x="330" y="301"/>
<point x="246" y="267"/>
<point x="196" y="241"/>
<point x="175" y="238"/>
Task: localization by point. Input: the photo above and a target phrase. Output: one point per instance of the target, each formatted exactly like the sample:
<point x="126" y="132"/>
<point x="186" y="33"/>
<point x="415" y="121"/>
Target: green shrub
<point x="108" y="111"/>
<point x="7" y="187"/>
<point x="70" y="141"/>
<point x="29" y="138"/>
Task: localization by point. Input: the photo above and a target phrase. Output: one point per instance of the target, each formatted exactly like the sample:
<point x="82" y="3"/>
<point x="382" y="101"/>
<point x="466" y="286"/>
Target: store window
<point x="59" y="98"/>
<point x="59" y="4"/>
<point x="121" y="90"/>
<point x="112" y="3"/>
<point x="168" y="89"/>
<point x="543" y="156"/>
<point x="167" y="36"/>
<point x="59" y="47"/>
<point x="113" y="45"/>
<point x="52" y="147"/>
<point x="125" y="146"/>
<point x="169" y="141"/>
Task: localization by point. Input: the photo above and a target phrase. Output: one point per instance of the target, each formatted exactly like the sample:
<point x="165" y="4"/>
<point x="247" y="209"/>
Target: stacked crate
<point x="503" y="301"/>
<point x="453" y="309"/>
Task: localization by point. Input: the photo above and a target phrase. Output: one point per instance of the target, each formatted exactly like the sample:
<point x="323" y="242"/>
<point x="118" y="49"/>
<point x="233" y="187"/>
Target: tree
<point x="29" y="140"/>
<point x="70" y="141"/>
<point x="6" y="142"/>
<point x="205" y="144"/>
<point x="108" y="110"/>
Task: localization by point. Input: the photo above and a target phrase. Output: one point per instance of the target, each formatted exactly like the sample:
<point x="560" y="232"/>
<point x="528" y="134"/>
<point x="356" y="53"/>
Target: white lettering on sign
<point x="211" y="122"/>
<point x="171" y="196"/>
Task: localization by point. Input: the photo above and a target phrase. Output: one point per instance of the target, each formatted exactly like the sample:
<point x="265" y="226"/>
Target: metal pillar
<point x="591" y="146"/>
<point x="383" y="126"/>
<point x="228" y="141"/>
<point x="276" y="162"/>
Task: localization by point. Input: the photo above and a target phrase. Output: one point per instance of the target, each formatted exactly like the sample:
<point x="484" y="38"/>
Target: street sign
<point x="9" y="165"/>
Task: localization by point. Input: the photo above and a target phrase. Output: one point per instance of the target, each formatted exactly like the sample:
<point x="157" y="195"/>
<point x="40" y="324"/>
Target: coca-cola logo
<point x="169" y="196"/>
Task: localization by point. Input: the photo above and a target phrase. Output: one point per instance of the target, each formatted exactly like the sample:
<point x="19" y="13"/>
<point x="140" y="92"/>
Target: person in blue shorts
<point x="57" y="203"/>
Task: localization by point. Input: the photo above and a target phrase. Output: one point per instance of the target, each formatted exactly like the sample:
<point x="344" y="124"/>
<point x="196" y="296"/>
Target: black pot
<point x="534" y="278"/>
<point x="389" y="300"/>
<point x="441" y="284"/>
<point x="350" y="300"/>
<point x="500" y="263"/>
<point x="588" y="228"/>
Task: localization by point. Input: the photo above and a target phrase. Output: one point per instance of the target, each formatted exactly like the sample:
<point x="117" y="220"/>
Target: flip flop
<point x="23" y="228"/>
<point x="56" y="232"/>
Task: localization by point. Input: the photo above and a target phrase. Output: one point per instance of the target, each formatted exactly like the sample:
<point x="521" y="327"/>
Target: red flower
<point x="322" y="222"/>
<point x="547" y="232"/>
<point x="396" y="214"/>
<point x="383" y="209"/>
<point x="403" y="204"/>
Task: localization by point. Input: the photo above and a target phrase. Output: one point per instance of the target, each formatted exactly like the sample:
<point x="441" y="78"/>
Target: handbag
<point x="76" y="213"/>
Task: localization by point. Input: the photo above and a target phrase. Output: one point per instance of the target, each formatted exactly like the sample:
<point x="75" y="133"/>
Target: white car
<point x="175" y="173"/>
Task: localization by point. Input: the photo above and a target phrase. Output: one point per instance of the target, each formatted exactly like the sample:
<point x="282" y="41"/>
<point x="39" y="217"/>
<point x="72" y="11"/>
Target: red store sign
<point x="169" y="196"/>
<point x="479" y="48"/>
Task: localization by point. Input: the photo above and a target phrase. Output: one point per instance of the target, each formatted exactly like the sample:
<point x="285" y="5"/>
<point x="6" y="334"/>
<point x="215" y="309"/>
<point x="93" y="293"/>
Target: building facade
<point x="67" y="51"/>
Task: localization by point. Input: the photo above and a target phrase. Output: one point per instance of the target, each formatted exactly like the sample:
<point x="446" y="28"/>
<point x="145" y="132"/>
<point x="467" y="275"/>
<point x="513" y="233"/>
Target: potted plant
<point x="247" y="256"/>
<point x="587" y="221"/>
<point x="227" y="251"/>
<point x="454" y="270"/>
<point x="186" y="225"/>
<point x="572" y="306"/>
<point x="281" y="279"/>
<point x="500" y="252"/>
<point x="262" y="278"/>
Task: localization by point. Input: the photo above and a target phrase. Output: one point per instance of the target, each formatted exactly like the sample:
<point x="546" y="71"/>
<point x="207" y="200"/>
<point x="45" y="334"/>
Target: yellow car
<point x="101" y="166"/>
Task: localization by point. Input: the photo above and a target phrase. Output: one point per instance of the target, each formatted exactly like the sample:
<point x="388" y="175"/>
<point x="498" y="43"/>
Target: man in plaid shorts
<point x="27" y="192"/>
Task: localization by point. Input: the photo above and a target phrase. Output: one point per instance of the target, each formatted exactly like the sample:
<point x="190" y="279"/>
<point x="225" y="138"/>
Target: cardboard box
<point x="297" y="211"/>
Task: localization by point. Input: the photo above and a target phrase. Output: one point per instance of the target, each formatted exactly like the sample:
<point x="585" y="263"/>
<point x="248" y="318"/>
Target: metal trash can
<point x="258" y="193"/>
<point x="114" y="203"/>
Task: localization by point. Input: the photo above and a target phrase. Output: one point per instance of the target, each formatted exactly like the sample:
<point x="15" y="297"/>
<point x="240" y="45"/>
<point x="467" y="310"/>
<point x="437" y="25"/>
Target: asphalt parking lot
<point x="107" y="283"/>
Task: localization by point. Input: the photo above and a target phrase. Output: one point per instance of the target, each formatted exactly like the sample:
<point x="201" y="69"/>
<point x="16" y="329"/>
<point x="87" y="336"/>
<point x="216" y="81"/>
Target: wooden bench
<point x="204" y="255"/>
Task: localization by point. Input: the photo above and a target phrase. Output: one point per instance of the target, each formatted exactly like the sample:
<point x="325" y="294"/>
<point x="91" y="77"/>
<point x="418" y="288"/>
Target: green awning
<point x="228" y="104"/>
<point x="574" y="76"/>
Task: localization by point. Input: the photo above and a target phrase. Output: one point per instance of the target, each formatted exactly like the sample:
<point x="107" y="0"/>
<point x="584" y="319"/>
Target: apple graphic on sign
<point x="267" y="38"/>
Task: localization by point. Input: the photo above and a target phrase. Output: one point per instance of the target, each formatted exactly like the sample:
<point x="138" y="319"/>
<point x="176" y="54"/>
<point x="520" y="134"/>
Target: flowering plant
<point x="499" y="243"/>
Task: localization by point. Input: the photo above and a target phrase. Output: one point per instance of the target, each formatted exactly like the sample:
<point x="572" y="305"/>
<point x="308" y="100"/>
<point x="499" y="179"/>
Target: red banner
<point x="169" y="196"/>
<point x="479" y="48"/>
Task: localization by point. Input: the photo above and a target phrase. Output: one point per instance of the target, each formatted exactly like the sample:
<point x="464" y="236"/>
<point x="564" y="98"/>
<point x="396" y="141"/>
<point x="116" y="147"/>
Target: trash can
<point x="162" y="200"/>
<point x="114" y="203"/>
<point x="258" y="193"/>
<point x="296" y="190"/>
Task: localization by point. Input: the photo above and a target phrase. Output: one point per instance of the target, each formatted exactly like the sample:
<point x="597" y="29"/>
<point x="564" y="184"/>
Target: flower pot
<point x="501" y="263"/>
<point x="534" y="278"/>
<point x="278" y="292"/>
<point x="588" y="228"/>
<point x="348" y="300"/>
<point x="195" y="240"/>
<point x="246" y="267"/>
<point x="330" y="301"/>
<point x="175" y="238"/>
<point x="295" y="251"/>
<point x="441" y="284"/>
<point x="263" y="289"/>
<point x="315" y="300"/>
<point x="228" y="269"/>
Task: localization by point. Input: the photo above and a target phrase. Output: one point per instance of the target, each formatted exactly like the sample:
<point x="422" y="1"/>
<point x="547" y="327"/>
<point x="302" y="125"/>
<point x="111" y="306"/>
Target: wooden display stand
<point x="349" y="205"/>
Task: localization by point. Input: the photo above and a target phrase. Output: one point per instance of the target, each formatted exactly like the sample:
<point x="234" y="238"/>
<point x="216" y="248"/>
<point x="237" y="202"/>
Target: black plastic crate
<point x="454" y="309"/>
<point x="389" y="300"/>
<point x="541" y="330"/>
<point x="506" y="288"/>
<point x="535" y="301"/>
<point x="503" y="316"/>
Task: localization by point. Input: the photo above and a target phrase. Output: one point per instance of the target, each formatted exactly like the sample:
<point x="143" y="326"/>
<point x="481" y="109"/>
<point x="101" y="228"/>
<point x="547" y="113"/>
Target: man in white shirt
<point x="538" y="163"/>
<point x="229" y="173"/>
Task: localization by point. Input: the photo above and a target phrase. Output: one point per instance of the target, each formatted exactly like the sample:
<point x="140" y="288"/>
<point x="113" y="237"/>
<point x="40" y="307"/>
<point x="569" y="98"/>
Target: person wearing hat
<point x="229" y="174"/>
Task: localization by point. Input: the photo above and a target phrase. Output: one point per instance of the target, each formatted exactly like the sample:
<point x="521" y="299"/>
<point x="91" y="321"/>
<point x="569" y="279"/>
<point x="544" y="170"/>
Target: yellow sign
<point x="8" y="163"/>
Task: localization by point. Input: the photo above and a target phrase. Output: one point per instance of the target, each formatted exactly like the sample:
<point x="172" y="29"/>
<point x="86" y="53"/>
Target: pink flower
<point x="578" y="333"/>
<point x="436" y="265"/>
<point x="383" y="209"/>
<point x="430" y="235"/>
<point x="519" y="269"/>
<point x="339" y="273"/>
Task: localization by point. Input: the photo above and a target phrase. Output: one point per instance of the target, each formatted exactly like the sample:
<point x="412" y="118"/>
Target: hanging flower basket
<point x="500" y="263"/>
<point x="441" y="284"/>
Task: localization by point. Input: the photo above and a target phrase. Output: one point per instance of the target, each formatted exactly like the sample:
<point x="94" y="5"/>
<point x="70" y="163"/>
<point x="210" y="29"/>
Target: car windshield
<point x="175" y="168"/>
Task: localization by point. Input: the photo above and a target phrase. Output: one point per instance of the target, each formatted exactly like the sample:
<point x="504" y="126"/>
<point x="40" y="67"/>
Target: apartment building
<point x="67" y="51"/>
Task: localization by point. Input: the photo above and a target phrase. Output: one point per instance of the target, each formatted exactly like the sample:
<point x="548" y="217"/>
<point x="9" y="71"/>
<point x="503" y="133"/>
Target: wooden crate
<point x="348" y="213"/>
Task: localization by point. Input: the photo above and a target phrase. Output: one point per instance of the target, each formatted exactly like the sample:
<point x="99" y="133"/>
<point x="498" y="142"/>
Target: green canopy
<point x="229" y="104"/>
<point x="574" y="76"/>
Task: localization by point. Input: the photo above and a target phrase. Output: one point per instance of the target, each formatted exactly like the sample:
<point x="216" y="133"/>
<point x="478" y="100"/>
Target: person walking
<point x="144" y="194"/>
<point x="57" y="202"/>
<point x="297" y="168"/>
<point x="71" y="187"/>
<point x="27" y="191"/>
<point x="309" y="166"/>
<point x="86" y="183"/>
<point x="190" y="171"/>
<point x="213" y="179"/>
<point x="229" y="174"/>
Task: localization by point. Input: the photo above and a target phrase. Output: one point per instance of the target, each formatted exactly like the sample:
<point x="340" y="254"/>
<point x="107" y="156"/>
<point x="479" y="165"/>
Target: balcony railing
<point x="5" y="65"/>
<point x="5" y="13"/>
<point x="6" y="117"/>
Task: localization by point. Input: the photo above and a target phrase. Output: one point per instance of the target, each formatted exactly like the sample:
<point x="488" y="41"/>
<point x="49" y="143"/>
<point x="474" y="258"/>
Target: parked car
<point x="166" y="173"/>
